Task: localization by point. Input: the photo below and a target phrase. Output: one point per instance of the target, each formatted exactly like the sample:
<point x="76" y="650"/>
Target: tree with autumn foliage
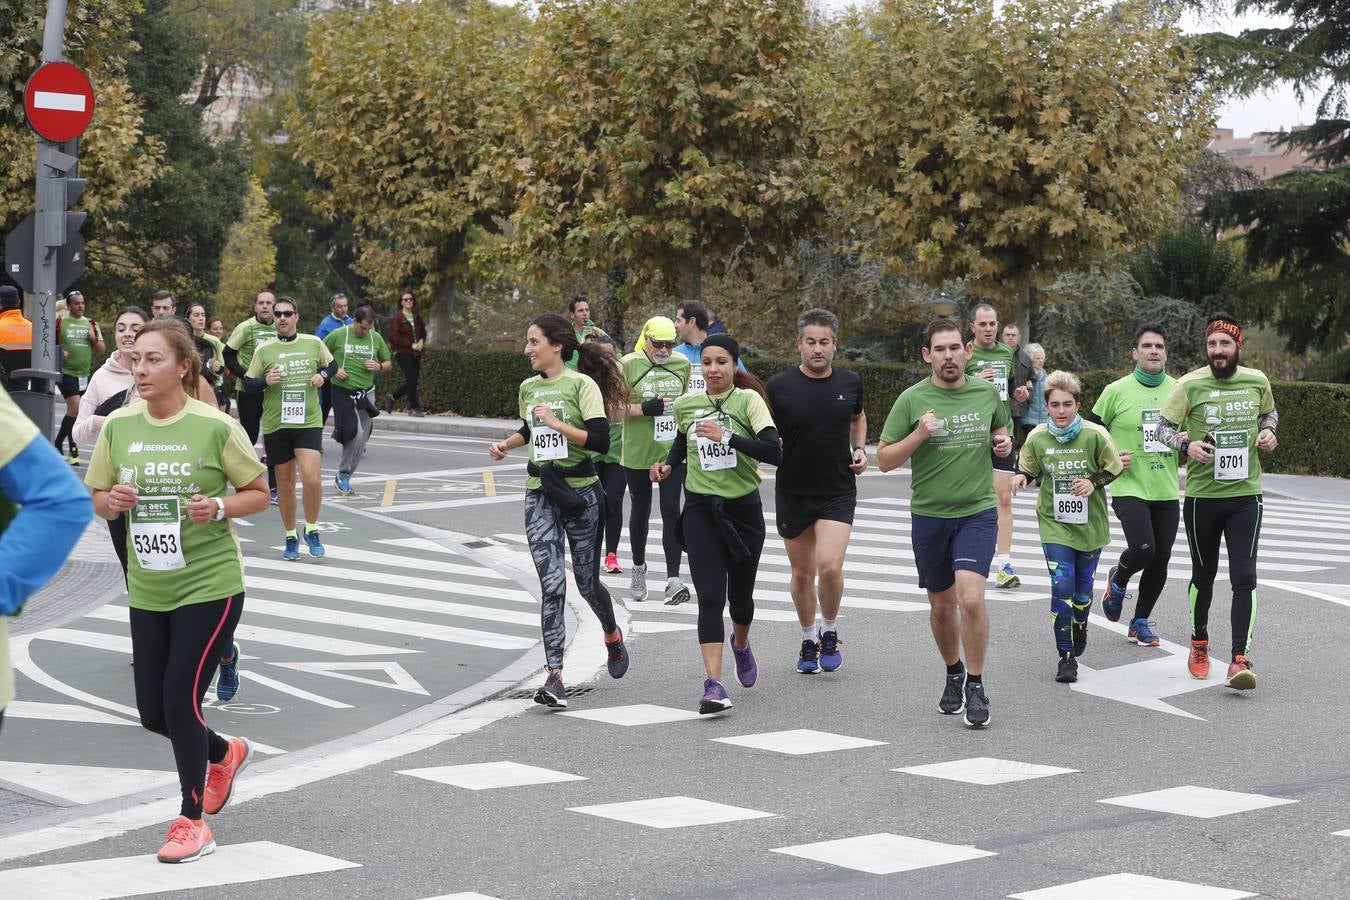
<point x="401" y="111"/>
<point x="115" y="155"/>
<point x="1006" y="143"/>
<point x="662" y="139"/>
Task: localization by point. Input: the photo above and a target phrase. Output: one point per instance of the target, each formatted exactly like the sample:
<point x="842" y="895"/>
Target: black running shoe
<point x="952" y="701"/>
<point x="977" y="706"/>
<point x="1067" y="673"/>
<point x="1079" y="638"/>
<point x="552" y="694"/>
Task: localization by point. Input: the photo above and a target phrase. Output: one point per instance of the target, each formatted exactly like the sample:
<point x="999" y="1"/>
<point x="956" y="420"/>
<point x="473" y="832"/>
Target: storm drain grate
<point x="528" y="693"/>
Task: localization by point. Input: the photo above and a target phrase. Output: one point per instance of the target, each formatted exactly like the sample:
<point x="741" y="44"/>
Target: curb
<point x="449" y="426"/>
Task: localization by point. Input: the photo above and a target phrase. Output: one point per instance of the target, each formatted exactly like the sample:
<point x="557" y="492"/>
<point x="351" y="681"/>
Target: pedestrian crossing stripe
<point x="134" y="876"/>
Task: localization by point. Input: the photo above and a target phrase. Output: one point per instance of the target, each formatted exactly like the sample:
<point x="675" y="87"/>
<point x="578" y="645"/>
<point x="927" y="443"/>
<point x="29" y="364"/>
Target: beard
<point x="1228" y="369"/>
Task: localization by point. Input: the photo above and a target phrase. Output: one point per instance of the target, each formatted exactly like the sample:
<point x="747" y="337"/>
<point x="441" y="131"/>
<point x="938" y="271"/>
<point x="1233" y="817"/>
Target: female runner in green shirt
<point x="167" y="464"/>
<point x="565" y="423"/>
<point x="726" y="432"/>
<point x="1078" y="460"/>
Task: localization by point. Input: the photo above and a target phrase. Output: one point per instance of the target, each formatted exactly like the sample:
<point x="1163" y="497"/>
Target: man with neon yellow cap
<point x="656" y="375"/>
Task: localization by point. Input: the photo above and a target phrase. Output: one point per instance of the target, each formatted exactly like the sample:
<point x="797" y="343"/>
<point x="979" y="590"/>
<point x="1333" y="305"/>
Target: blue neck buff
<point x="1068" y="432"/>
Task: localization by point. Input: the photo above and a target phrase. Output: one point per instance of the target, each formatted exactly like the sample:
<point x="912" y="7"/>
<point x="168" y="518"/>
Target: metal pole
<point x="50" y="232"/>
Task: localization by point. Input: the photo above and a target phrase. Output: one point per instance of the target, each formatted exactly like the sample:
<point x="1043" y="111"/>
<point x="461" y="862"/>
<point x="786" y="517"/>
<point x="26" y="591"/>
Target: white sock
<point x="829" y="625"/>
<point x="809" y="632"/>
<point x="1003" y="559"/>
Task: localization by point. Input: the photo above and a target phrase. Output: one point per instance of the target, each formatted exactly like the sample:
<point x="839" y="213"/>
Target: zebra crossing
<point x="329" y="647"/>
<point x="1306" y="542"/>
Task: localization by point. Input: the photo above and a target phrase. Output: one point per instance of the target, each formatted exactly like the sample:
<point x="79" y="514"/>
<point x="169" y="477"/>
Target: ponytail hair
<point x="748" y="382"/>
<point x="591" y="359"/>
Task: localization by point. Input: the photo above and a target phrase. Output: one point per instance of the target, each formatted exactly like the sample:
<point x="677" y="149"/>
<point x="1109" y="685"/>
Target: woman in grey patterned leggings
<point x="565" y="418"/>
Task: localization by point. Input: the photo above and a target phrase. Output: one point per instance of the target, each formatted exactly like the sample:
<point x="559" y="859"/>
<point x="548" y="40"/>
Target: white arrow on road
<point x="399" y="679"/>
<point x="1146" y="683"/>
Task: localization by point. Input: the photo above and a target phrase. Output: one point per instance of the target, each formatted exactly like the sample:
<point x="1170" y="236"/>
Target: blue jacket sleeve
<point x="53" y="512"/>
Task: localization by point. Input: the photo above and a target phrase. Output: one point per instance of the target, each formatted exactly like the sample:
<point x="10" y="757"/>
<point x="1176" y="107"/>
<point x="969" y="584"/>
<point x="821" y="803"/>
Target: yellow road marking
<point x="389" y="487"/>
<point x="489" y="485"/>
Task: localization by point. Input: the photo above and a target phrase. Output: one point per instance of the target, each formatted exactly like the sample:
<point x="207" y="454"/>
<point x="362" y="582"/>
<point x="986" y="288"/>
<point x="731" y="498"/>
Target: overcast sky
<point x="1269" y="112"/>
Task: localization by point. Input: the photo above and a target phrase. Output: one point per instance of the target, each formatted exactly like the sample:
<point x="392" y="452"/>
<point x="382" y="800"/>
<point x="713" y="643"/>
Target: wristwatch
<point x="220" y="509"/>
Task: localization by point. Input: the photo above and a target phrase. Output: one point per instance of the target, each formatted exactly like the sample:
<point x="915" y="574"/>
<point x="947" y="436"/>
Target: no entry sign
<point x="59" y="102"/>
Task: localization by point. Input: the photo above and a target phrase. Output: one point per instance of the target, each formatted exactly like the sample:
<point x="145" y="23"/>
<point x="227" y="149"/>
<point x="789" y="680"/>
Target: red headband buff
<point x="1228" y="328"/>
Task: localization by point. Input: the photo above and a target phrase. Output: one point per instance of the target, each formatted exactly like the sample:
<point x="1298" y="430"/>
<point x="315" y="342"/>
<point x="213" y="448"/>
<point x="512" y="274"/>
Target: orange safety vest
<point x="16" y="332"/>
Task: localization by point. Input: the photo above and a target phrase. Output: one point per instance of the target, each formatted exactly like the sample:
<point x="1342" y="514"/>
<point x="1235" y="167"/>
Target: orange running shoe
<point x="187" y="841"/>
<point x="1240" y="674"/>
<point x="220" y="777"/>
<point x="1198" y="662"/>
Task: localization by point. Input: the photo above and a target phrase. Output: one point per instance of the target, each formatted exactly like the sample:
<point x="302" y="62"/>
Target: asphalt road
<point x="355" y="823"/>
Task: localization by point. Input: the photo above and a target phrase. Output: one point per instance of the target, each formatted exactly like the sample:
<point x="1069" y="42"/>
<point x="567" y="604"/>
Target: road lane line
<point x="389" y="487"/>
<point x="489" y="485"/>
<point x="361" y="621"/>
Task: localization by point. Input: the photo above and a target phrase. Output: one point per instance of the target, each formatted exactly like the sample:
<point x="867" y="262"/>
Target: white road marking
<point x="355" y="554"/>
<point x="64" y="712"/>
<point x="84" y="784"/>
<point x="296" y="640"/>
<point x="361" y="621"/>
<point x="386" y="601"/>
<point x="293" y="691"/>
<point x="133" y="876"/>
<point x="439" y="585"/>
<point x="399" y="679"/>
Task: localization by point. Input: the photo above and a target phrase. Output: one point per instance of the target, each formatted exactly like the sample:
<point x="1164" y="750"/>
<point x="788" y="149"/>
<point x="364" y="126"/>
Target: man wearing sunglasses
<point x="288" y="373"/>
<point x="656" y="375"/>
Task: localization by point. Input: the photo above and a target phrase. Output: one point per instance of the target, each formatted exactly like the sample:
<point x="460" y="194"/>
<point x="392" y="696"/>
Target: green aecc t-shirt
<point x="173" y="562"/>
<point x="1228" y="411"/>
<point x="1077" y="522"/>
<point x="574" y="398"/>
<point x="293" y="402"/>
<point x="1130" y="410"/>
<point x="715" y="469"/>
<point x="648" y="439"/>
<point x="953" y="470"/>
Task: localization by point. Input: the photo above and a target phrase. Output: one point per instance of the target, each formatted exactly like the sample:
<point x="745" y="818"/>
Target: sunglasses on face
<point x="284" y="313"/>
<point x="661" y="345"/>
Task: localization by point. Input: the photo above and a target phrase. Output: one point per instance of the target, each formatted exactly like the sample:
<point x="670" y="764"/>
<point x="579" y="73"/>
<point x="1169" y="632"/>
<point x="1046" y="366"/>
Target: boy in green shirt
<point x="1078" y="460"/>
<point x="947" y="425"/>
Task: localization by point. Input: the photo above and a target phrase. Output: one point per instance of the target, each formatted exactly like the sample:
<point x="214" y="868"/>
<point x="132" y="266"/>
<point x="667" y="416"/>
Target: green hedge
<point x="1314" y="417"/>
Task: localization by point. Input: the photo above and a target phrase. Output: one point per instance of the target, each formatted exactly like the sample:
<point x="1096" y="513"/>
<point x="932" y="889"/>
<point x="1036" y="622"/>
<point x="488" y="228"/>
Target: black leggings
<point x="1237" y="522"/>
<point x="64" y="435"/>
<point x="176" y="657"/>
<point x="719" y="579"/>
<point x="640" y="512"/>
<point x="1150" y="528"/>
<point x="612" y="481"/>
<point x="411" y="367"/>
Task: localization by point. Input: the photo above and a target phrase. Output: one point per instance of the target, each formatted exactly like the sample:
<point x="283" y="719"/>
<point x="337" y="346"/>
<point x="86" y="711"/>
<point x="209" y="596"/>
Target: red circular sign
<point x="59" y="101"/>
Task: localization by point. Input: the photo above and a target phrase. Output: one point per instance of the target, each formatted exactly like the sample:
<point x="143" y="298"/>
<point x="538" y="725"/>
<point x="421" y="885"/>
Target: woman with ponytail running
<point x="565" y="422"/>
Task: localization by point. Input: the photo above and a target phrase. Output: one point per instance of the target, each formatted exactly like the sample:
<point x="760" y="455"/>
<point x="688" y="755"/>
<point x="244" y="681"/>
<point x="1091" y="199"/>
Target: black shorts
<point x="280" y="445"/>
<point x="73" y="386"/>
<point x="794" y="513"/>
<point x="1006" y="464"/>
